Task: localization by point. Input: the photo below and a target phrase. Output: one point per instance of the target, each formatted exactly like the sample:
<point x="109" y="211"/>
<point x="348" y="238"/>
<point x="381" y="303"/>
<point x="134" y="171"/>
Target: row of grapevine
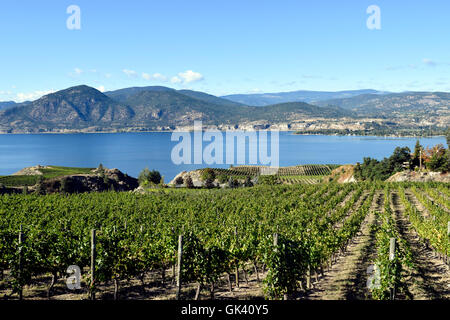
<point x="393" y="254"/>
<point x="138" y="234"/>
<point x="433" y="230"/>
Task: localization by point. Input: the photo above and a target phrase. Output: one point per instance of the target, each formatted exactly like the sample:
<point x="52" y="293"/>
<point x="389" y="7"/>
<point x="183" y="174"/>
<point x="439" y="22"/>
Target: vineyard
<point x="301" y="174"/>
<point x="278" y="242"/>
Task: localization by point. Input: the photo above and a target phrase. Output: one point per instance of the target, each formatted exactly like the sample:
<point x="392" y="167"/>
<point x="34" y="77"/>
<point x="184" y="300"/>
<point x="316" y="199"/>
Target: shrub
<point x="179" y="180"/>
<point x="437" y="158"/>
<point x="270" y="180"/>
<point x="208" y="174"/>
<point x="147" y="177"/>
<point x="222" y="178"/>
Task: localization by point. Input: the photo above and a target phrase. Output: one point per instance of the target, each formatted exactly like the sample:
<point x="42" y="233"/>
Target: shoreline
<point x="293" y="132"/>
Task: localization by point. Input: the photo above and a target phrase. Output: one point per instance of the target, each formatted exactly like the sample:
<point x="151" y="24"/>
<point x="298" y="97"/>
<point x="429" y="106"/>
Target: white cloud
<point x="146" y="76"/>
<point x="101" y="88"/>
<point x="155" y="76"/>
<point x="20" y="97"/>
<point x="130" y="73"/>
<point x="108" y="75"/>
<point x="159" y="76"/>
<point x="175" y="80"/>
<point x="78" y="71"/>
<point x="429" y="62"/>
<point x="190" y="76"/>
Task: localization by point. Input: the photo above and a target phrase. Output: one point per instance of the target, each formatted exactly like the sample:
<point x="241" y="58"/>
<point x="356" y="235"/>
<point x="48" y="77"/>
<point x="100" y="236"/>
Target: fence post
<point x="179" y="262"/>
<point x="93" y="258"/>
<point x="20" y="262"/>
<point x="391" y="258"/>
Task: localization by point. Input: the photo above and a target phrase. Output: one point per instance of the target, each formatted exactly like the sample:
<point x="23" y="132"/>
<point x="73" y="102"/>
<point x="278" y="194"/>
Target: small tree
<point x="436" y="158"/>
<point x="101" y="170"/>
<point x="147" y="177"/>
<point x="189" y="182"/>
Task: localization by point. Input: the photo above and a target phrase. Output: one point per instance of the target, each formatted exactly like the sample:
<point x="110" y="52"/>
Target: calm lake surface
<point x="131" y="152"/>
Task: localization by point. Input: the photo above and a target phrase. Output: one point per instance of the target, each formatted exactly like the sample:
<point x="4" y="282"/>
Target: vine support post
<point x="308" y="277"/>
<point x="20" y="263"/>
<point x="275" y="249"/>
<point x="392" y="249"/>
<point x="391" y="258"/>
<point x="448" y="229"/>
<point x="237" y="263"/>
<point x="179" y="262"/>
<point x="275" y="241"/>
<point x="93" y="257"/>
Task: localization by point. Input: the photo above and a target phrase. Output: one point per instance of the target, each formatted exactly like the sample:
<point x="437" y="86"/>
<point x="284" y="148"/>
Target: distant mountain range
<point x="7" y="104"/>
<point x="265" y="99"/>
<point x="85" y="109"/>
<point x="426" y="108"/>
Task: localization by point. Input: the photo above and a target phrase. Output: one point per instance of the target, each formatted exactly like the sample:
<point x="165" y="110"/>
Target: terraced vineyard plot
<point x="302" y="174"/>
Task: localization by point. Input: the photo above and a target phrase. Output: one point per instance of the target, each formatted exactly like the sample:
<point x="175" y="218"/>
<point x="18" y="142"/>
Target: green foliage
<point x="147" y="177"/>
<point x="222" y="178"/>
<point x="208" y="174"/>
<point x="56" y="171"/>
<point x="40" y="186"/>
<point x="138" y="233"/>
<point x="269" y="180"/>
<point x="18" y="181"/>
<point x="48" y="173"/>
<point x="372" y="169"/>
<point x="287" y="263"/>
<point x="391" y="269"/>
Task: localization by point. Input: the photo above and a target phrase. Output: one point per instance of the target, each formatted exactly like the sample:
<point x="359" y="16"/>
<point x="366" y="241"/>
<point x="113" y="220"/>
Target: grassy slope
<point x="54" y="172"/>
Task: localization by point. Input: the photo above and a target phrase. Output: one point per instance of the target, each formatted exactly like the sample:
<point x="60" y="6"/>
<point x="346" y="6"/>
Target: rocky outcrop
<point x="343" y="174"/>
<point x="109" y="179"/>
<point x="413" y="176"/>
<point x="195" y="176"/>
<point x="31" y="171"/>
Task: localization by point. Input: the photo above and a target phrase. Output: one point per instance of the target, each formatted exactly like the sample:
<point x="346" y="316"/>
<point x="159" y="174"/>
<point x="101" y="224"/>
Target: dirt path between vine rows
<point x="430" y="279"/>
<point x="347" y="278"/>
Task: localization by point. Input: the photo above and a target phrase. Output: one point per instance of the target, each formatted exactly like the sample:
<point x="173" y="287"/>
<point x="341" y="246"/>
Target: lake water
<point x="131" y="152"/>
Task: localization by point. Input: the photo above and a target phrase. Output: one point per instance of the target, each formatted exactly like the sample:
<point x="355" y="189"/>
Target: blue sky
<point x="223" y="47"/>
